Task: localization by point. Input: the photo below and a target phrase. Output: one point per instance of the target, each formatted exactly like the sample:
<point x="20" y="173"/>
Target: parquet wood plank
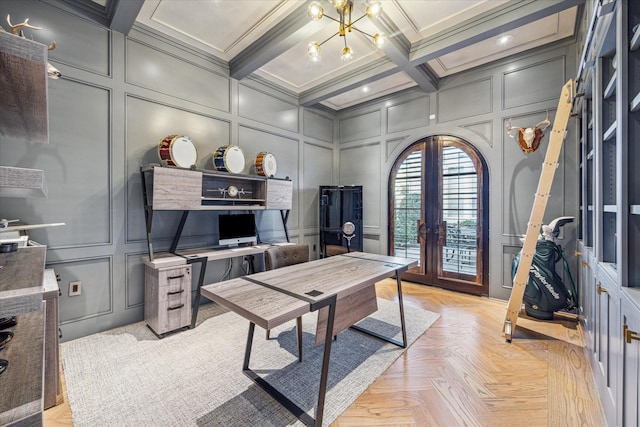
<point x="462" y="372"/>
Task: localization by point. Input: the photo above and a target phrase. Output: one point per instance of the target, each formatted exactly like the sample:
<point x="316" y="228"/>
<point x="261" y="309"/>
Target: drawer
<point x="175" y="316"/>
<point x="167" y="298"/>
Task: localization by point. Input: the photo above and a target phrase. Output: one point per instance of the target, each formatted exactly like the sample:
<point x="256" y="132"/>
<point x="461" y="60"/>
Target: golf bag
<point x="545" y="292"/>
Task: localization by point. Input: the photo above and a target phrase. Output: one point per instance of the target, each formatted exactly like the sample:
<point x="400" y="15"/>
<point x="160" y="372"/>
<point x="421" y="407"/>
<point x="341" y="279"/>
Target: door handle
<point x="442" y="233"/>
<point x="629" y="334"/>
<point x="423" y="230"/>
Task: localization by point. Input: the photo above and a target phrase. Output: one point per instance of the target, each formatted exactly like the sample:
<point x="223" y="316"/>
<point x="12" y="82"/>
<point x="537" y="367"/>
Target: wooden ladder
<point x="549" y="167"/>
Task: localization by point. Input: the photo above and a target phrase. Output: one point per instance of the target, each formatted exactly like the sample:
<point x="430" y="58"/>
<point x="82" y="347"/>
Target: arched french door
<point x="439" y="214"/>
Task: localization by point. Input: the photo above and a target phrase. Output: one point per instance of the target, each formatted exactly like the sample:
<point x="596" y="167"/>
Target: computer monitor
<point x="236" y="229"/>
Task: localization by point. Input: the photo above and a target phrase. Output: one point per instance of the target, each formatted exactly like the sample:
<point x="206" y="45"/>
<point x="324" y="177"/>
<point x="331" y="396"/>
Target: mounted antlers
<point x="16" y="30"/>
<point x="529" y="138"/>
<point x="25" y="24"/>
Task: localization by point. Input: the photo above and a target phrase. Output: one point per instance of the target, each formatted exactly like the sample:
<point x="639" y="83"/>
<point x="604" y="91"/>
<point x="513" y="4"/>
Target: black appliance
<point x="340" y="219"/>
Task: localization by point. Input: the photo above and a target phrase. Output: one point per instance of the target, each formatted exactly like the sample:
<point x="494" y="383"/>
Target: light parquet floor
<point x="462" y="372"/>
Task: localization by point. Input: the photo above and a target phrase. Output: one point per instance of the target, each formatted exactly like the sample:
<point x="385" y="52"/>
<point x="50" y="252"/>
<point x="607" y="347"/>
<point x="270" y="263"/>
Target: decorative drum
<point x="266" y="164"/>
<point x="229" y="158"/>
<point x="177" y="150"/>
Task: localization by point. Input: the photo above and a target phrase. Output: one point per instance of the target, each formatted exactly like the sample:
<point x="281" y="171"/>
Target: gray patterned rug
<point x="129" y="377"/>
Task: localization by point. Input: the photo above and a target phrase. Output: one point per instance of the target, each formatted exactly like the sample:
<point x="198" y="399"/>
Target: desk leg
<point x="402" y="343"/>
<point x="324" y="373"/>
<point x="196" y="302"/>
<point x="328" y="339"/>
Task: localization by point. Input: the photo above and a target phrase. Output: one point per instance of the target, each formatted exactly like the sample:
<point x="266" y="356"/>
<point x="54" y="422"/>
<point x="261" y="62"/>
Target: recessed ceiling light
<point x="504" y="39"/>
<point x="365" y="89"/>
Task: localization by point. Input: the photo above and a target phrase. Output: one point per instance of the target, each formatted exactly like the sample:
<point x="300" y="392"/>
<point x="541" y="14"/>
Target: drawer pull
<point x="176" y="307"/>
<point x="176" y="277"/>
<point x="175" y="292"/>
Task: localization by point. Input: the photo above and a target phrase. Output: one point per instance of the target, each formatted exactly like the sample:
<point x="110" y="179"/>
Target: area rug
<point x="129" y="377"/>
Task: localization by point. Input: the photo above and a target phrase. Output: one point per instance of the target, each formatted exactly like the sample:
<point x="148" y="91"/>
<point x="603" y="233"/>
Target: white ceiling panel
<point x="224" y="26"/>
<point x="420" y="19"/>
<point x="369" y="91"/>
<point x="535" y="34"/>
<point x="428" y="40"/>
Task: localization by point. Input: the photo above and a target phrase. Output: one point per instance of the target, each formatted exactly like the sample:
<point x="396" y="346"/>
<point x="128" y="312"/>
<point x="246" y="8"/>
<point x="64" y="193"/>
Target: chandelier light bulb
<point x="347" y="53"/>
<point x="374" y="9"/>
<point x="379" y="40"/>
<point x="345" y="24"/>
<point x="314" y="50"/>
<point x="339" y="4"/>
<point x="315" y="11"/>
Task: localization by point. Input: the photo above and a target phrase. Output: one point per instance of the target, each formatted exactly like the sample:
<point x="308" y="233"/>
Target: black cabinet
<point x="340" y="205"/>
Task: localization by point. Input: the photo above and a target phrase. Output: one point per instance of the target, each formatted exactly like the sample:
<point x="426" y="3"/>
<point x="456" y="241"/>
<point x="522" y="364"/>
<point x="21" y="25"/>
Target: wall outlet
<point x="75" y="288"/>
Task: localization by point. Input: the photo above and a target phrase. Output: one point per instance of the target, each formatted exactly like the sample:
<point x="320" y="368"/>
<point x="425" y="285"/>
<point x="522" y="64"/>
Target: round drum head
<point x="229" y="158"/>
<point x="183" y="152"/>
<point x="266" y="164"/>
<point x="270" y="166"/>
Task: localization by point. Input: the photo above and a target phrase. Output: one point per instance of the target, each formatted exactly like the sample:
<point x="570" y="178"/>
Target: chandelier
<point x="345" y="25"/>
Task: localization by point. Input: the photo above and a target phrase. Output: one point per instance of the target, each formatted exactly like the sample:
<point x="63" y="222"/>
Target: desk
<point x="182" y="258"/>
<point x="271" y="298"/>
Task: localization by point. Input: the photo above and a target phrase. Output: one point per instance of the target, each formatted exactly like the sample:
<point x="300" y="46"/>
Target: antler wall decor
<point x="52" y="71"/>
<point x="529" y="138"/>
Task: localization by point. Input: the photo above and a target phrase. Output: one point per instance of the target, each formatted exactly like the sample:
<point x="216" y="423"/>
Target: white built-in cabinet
<point x="609" y="236"/>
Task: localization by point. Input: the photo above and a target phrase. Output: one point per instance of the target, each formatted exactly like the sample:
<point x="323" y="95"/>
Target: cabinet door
<point x="607" y="344"/>
<point x="587" y="295"/>
<point x="630" y="362"/>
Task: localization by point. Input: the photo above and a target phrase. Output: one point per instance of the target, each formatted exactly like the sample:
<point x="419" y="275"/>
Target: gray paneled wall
<point x="475" y="107"/>
<point x="120" y="95"/>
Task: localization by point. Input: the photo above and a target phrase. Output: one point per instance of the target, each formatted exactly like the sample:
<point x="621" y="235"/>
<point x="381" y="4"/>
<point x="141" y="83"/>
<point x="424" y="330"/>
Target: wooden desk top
<point x="273" y="297"/>
<point x="170" y="260"/>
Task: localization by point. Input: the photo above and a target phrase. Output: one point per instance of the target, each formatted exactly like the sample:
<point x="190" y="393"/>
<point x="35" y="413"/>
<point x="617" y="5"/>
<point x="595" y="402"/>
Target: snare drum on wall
<point x="177" y="150"/>
<point x="266" y="164"/>
<point x="229" y="158"/>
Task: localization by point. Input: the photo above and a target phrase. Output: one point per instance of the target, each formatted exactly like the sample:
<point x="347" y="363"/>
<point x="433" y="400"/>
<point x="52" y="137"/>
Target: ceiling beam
<point x="491" y="24"/>
<point x="286" y="34"/>
<point x="123" y="14"/>
<point x="397" y="49"/>
<point x="424" y="77"/>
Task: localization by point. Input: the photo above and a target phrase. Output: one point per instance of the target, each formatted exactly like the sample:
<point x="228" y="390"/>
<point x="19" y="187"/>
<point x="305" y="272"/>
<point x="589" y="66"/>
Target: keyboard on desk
<point x="244" y="248"/>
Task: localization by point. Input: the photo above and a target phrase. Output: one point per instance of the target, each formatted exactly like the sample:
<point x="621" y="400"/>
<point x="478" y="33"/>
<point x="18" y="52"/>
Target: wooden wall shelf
<point x="178" y="189"/>
<point x="172" y="188"/>
<point x="22" y="182"/>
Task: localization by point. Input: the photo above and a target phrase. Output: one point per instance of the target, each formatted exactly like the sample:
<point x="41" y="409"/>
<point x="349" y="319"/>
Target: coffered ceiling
<point x="267" y="39"/>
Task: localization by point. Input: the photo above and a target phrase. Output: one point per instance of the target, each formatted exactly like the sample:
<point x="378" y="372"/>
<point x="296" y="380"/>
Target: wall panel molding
<point x="360" y="126"/>
<point x="534" y="83"/>
<point x="465" y="100"/>
<point x="175" y="76"/>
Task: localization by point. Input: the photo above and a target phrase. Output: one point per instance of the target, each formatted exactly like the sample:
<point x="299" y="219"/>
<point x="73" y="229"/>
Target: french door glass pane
<point x="408" y="209"/>
<point x="459" y="211"/>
